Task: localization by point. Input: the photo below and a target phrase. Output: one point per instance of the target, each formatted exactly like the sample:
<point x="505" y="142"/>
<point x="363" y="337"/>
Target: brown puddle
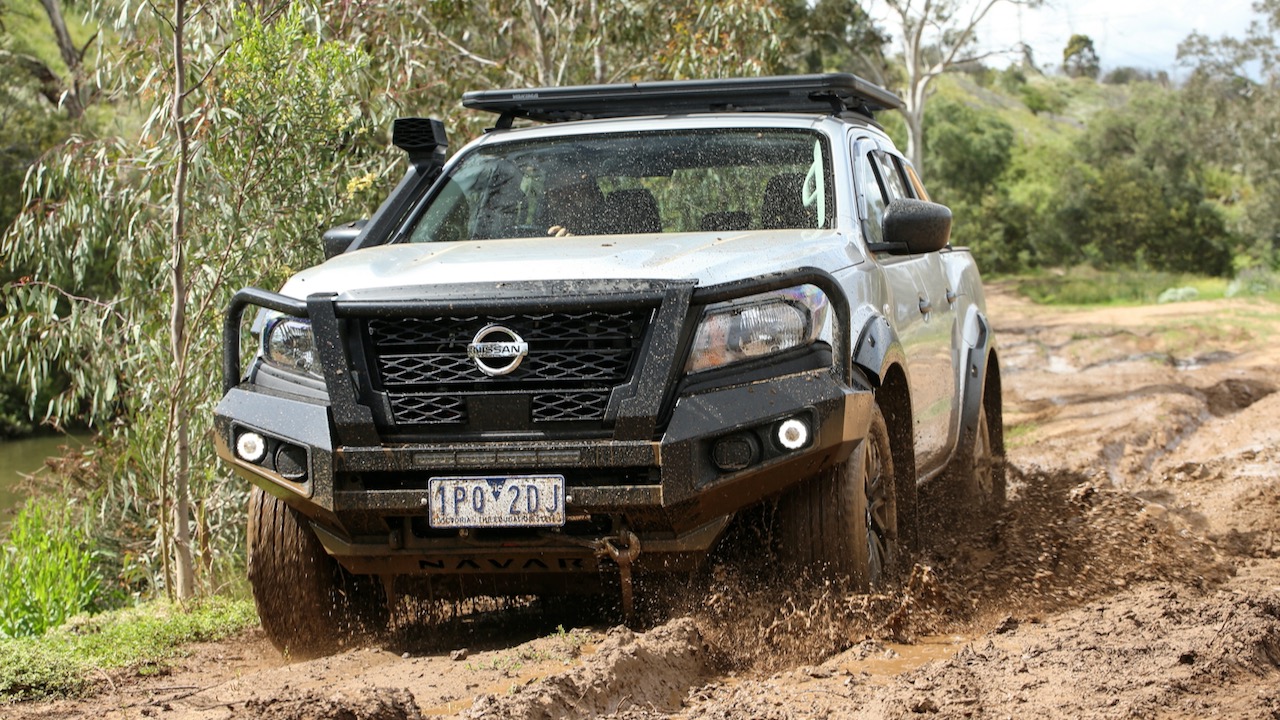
<point x="504" y="687"/>
<point x="450" y="708"/>
<point x="895" y="659"/>
<point x="507" y="685"/>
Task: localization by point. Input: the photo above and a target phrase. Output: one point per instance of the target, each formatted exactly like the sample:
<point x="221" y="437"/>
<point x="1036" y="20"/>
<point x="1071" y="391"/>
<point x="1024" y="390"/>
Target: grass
<point x="568" y="645"/>
<point x="573" y="640"/>
<point x="501" y="663"/>
<point x="1086" y="286"/>
<point x="65" y="661"/>
<point x="1019" y="435"/>
<point x="1228" y="329"/>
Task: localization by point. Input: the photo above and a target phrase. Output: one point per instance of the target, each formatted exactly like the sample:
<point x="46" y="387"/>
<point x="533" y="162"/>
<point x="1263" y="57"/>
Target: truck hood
<point x="708" y="258"/>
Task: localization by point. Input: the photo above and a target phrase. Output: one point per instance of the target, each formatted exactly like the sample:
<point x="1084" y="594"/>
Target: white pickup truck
<point x="573" y="353"/>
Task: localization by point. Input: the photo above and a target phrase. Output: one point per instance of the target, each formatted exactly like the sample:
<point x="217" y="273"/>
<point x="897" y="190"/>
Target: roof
<point x="829" y="93"/>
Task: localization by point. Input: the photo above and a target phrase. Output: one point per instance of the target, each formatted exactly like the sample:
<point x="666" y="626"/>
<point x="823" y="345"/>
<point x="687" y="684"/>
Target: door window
<point x="891" y="176"/>
<point x="873" y="199"/>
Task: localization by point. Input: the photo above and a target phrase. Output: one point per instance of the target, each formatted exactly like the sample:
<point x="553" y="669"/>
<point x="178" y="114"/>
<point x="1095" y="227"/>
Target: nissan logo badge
<point x="495" y="342"/>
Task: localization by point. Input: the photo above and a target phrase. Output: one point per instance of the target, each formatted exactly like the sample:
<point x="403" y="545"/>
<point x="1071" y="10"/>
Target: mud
<point x="1134" y="573"/>
<point x="366" y="704"/>
<point x="654" y="670"/>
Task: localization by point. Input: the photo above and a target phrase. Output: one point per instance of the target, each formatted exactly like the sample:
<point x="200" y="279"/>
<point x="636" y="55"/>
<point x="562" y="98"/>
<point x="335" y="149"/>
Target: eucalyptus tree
<point x="1237" y="81"/>
<point x="238" y="165"/>
<point x="46" y="87"/>
<point x="425" y="55"/>
<point x="935" y="36"/>
<point x="1080" y="58"/>
<point x="836" y="35"/>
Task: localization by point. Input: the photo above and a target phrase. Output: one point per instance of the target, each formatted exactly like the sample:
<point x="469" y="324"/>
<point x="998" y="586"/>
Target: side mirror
<point x="338" y="239"/>
<point x="915" y="227"/>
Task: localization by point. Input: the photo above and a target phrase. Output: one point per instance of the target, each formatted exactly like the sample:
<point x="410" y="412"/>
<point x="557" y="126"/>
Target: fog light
<point x="291" y="462"/>
<point x="735" y="452"/>
<point x="793" y="433"/>
<point x="251" y="447"/>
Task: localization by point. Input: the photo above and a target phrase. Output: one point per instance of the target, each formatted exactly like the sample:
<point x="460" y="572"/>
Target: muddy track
<point x="1135" y="573"/>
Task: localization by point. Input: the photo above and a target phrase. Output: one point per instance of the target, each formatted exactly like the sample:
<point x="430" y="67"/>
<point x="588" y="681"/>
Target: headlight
<point x="287" y="343"/>
<point x="757" y="326"/>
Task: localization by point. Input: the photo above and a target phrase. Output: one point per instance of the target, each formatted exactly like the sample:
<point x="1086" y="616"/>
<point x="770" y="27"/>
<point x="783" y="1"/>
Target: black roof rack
<point x="826" y="93"/>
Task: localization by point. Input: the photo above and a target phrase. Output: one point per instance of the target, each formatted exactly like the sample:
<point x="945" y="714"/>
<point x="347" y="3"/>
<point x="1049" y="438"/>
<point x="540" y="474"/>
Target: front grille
<point x="553" y="407"/>
<point x="559" y="326"/>
<point x="575" y="359"/>
<point x="429" y="409"/>
<point x="446" y="368"/>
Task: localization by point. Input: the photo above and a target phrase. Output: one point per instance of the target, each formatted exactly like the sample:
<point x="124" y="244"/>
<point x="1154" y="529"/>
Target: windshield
<point x="652" y="182"/>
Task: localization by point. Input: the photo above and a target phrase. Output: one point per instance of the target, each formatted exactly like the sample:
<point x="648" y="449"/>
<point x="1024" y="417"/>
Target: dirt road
<point x="1134" y="574"/>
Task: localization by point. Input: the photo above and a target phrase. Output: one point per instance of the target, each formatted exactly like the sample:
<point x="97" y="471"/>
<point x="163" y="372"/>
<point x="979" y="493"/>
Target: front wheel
<point x="307" y="603"/>
<point x="983" y="481"/>
<point x="844" y="522"/>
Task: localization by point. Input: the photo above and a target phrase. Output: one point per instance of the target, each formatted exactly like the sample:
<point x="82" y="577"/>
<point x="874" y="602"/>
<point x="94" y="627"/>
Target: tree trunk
<point x="69" y="95"/>
<point x="597" y="48"/>
<point x="70" y="54"/>
<point x="948" y="17"/>
<point x="185" y="566"/>
<point x="913" y="112"/>
<point x="915" y="135"/>
<point x="537" y="18"/>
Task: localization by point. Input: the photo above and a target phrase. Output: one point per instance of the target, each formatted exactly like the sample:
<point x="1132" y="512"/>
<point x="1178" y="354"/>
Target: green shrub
<point x="1084" y="285"/>
<point x="47" y="571"/>
<point x="30" y="670"/>
<point x="1255" y="281"/>
<point x="65" y="660"/>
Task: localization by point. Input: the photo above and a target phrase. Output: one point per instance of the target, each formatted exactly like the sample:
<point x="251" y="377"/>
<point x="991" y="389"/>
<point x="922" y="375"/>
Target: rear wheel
<point x="307" y="603"/>
<point x="844" y="523"/>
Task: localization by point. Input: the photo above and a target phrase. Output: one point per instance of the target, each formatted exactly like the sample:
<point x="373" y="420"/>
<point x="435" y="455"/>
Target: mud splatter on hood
<point x="707" y="258"/>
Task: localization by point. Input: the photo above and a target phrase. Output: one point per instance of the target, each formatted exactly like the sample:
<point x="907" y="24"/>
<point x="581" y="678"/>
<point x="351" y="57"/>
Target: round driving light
<point x="793" y="433"/>
<point x="251" y="446"/>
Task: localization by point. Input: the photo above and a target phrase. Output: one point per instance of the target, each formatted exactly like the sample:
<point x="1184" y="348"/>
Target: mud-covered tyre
<point x="307" y="603"/>
<point x="982" y="477"/>
<point x="843" y="523"/>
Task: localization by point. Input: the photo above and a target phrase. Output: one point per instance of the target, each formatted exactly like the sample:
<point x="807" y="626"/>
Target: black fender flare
<point x="877" y="347"/>
<point x="875" y="352"/>
<point x="977" y="336"/>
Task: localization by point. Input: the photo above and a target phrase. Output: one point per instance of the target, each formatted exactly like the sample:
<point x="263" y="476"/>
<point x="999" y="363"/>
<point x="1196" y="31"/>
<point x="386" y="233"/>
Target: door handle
<point x="926" y="307"/>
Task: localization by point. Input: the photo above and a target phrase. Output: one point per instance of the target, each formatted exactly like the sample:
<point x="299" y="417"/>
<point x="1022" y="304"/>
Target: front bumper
<point x="369" y="501"/>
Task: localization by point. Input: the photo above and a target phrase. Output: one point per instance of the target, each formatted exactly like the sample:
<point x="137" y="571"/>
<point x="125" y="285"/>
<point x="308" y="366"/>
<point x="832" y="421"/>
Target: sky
<point x="1138" y="33"/>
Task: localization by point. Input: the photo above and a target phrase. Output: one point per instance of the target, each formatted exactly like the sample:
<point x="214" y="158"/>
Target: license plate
<point x="503" y="501"/>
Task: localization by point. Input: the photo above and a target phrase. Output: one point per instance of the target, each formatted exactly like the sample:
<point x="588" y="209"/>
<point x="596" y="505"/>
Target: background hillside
<point x="1052" y="171"/>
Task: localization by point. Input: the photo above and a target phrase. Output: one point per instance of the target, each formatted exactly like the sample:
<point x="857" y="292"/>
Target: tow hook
<point x="624" y="556"/>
